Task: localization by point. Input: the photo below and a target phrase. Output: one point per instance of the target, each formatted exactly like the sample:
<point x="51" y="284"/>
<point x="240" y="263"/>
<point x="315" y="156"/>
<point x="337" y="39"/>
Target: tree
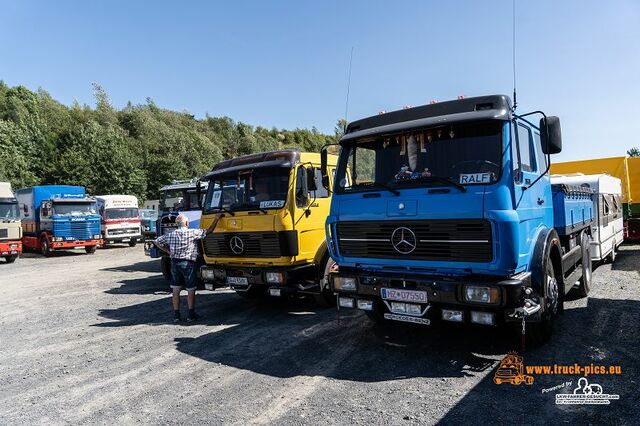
<point x="633" y="152"/>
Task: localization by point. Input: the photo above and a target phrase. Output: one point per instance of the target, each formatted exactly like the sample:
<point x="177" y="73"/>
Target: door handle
<point x="540" y="201"/>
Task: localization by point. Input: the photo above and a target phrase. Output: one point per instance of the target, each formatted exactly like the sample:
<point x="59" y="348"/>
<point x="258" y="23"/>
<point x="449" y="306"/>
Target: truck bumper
<point x="122" y="238"/>
<point x="67" y="245"/>
<point x="278" y="280"/>
<point x="425" y="300"/>
<point x="10" y="248"/>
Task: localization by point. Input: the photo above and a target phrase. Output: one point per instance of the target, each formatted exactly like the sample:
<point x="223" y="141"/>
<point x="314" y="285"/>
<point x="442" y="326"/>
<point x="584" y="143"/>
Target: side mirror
<point x="324" y="168"/>
<point x="199" y="193"/>
<point x="551" y="135"/>
<point x="302" y="192"/>
<point x="311" y="179"/>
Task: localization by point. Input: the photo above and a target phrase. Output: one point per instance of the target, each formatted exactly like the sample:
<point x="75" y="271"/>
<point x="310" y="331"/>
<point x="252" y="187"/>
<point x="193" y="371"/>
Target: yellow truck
<point x="627" y="169"/>
<point x="271" y="238"/>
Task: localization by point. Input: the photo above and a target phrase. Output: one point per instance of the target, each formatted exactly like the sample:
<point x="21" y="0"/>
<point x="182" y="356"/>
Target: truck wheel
<point x="325" y="298"/>
<point x="165" y="265"/>
<point x="44" y="247"/>
<point x="90" y="249"/>
<point x="10" y="259"/>
<point x="612" y="256"/>
<point x="540" y="332"/>
<point x="585" y="281"/>
<point x="132" y="243"/>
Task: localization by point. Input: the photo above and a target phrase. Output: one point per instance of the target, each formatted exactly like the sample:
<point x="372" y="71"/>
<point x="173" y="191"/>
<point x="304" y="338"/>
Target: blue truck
<point x="58" y="217"/>
<point x="179" y="197"/>
<point x="445" y="212"/>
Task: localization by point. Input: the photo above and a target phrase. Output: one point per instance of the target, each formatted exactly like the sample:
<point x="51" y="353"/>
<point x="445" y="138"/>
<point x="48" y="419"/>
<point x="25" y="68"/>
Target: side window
<point x="541" y="159"/>
<point x="524" y="148"/>
<point x="321" y="192"/>
<point x="606" y="209"/>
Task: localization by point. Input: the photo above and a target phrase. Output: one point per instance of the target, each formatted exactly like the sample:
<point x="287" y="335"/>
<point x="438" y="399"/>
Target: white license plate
<point x="403" y="295"/>
<point x="274" y="292"/>
<point x="405" y="318"/>
<point x="237" y="280"/>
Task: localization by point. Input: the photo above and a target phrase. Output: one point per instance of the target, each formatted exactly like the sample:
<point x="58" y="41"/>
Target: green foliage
<point x="633" y="152"/>
<point x="135" y="150"/>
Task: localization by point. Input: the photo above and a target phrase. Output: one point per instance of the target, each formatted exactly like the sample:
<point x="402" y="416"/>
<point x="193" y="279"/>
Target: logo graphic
<point x="403" y="240"/>
<point x="586" y="393"/>
<point x="236" y="245"/>
<point x="511" y="370"/>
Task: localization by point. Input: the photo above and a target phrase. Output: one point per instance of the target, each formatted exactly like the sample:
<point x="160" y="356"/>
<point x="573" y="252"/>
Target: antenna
<point x="346" y="106"/>
<point x="513" y="54"/>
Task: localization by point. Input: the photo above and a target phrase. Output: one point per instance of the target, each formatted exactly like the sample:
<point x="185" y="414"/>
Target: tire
<point x="540" y="332"/>
<point x="90" y="249"/>
<point x="10" y="259"/>
<point x="325" y="298"/>
<point x="584" y="285"/>
<point x="132" y="243"/>
<point x="612" y="256"/>
<point x="165" y="266"/>
<point x="45" y="249"/>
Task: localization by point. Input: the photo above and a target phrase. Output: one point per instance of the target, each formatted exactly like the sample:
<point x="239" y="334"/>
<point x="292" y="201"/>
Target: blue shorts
<point x="183" y="274"/>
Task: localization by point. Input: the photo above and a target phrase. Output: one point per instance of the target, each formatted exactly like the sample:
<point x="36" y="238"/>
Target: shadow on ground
<point x="604" y="333"/>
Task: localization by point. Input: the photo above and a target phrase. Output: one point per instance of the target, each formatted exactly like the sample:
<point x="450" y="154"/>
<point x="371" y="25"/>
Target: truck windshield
<point x="9" y="211"/>
<point x="151" y="215"/>
<point x="465" y="153"/>
<point x="180" y="200"/>
<point x="74" y="209"/>
<point x="249" y="190"/>
<point x="122" y="213"/>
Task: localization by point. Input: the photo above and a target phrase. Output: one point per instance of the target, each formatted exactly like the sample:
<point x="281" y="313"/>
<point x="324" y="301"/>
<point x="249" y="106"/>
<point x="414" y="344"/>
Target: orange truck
<point x="627" y="169"/>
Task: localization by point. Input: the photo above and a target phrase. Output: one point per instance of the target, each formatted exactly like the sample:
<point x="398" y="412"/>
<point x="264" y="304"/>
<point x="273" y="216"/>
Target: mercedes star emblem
<point x="403" y="240"/>
<point x="236" y="245"/>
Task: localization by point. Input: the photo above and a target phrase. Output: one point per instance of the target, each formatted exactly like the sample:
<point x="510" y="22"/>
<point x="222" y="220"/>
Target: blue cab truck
<point x="58" y="217"/>
<point x="179" y="197"/>
<point x="445" y="212"/>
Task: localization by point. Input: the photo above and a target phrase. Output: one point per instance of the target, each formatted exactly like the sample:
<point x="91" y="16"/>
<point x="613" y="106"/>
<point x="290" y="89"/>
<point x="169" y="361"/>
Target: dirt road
<point x="89" y="339"/>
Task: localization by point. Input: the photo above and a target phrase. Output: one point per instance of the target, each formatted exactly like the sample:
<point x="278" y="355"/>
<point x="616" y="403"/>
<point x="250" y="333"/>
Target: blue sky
<point x="285" y="63"/>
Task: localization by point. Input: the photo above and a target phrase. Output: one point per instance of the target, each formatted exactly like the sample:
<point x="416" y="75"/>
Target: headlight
<point x="208" y="274"/>
<point x="480" y="294"/>
<point x="13" y="246"/>
<point x="344" y="283"/>
<point x="97" y="237"/>
<point x="146" y="228"/>
<point x="274" y="277"/>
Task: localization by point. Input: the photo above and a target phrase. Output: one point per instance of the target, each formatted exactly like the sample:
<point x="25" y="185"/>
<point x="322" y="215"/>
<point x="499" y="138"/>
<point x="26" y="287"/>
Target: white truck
<point x="608" y="226"/>
<point x="10" y="229"/>
<point x="120" y="219"/>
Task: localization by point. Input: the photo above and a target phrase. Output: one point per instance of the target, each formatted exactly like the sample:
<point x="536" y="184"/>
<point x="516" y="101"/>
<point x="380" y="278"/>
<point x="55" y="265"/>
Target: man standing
<point x="181" y="245"/>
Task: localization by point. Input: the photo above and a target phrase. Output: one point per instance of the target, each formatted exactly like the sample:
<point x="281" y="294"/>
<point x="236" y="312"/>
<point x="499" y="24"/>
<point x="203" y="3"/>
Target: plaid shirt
<point x="183" y="243"/>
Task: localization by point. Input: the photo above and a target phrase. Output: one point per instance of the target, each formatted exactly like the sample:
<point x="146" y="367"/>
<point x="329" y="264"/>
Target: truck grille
<point x="460" y="240"/>
<point x="243" y="244"/>
<point x="81" y="231"/>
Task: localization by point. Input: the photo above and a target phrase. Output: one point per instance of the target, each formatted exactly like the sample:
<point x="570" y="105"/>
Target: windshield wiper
<point x="391" y="189"/>
<point x="226" y="210"/>
<point x="446" y="181"/>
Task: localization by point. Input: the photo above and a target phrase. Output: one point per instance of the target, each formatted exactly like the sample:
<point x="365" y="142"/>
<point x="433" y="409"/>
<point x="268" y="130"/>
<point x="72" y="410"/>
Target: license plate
<point x="237" y="281"/>
<point x="405" y="318"/>
<point x="403" y="295"/>
<point x="208" y="286"/>
<point x="274" y="292"/>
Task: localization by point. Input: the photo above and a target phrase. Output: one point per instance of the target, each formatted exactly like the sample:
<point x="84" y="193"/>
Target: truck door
<point x="310" y="226"/>
<point x="533" y="203"/>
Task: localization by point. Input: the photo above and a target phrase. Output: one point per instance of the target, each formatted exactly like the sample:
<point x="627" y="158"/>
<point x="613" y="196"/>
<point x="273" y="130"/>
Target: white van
<point x="608" y="228"/>
<point x="120" y="219"/>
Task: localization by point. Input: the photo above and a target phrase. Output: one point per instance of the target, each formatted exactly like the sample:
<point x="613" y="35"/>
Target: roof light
<point x="433" y="101"/>
<point x="461" y="97"/>
<point x="381" y="112"/>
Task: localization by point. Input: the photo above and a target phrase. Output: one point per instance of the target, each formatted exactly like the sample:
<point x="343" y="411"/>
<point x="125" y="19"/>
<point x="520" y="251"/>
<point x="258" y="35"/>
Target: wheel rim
<point x="552" y="294"/>
<point x="44" y="246"/>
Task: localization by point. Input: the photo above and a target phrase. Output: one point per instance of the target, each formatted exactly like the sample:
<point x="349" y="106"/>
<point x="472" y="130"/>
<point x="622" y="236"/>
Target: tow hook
<point x="529" y="307"/>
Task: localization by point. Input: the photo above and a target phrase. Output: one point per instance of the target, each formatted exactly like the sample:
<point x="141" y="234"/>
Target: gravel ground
<point x="89" y="339"/>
